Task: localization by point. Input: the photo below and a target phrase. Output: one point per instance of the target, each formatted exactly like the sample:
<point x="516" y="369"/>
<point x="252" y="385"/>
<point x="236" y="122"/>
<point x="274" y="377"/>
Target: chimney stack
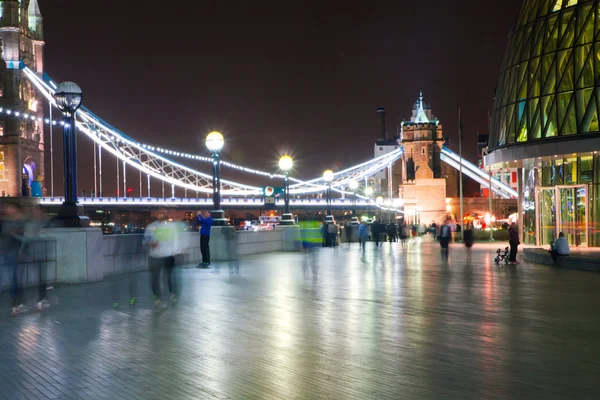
<point x="381" y="118"/>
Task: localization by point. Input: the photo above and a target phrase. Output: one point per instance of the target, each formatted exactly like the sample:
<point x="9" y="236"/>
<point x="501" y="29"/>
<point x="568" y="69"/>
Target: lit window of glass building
<point x="546" y="119"/>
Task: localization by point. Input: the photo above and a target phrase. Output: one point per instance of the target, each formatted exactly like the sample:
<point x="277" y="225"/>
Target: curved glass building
<point x="546" y="119"/>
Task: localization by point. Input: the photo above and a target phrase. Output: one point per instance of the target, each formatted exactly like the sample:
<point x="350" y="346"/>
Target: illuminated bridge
<point x="157" y="165"/>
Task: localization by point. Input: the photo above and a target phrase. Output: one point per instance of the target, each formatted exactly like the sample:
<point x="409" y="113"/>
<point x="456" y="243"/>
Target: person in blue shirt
<point x="205" y="224"/>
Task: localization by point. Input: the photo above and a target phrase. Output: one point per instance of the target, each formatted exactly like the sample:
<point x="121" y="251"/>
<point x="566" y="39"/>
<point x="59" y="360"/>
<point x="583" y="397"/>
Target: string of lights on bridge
<point x="26" y="116"/>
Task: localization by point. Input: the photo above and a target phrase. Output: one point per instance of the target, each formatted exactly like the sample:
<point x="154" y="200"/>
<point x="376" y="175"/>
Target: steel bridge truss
<point x="145" y="159"/>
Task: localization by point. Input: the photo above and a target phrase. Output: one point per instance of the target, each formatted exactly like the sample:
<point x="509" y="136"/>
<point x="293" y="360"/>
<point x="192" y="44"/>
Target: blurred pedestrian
<point x="469" y="238"/>
<point x="514" y="242"/>
<point x="348" y="232"/>
<point x="205" y="223"/>
<point x="332" y="231"/>
<point x="162" y="238"/>
<point x="445" y="237"/>
<point x="363" y="234"/>
<point x="32" y="225"/>
<point x="391" y="232"/>
<point x="12" y="240"/>
<point x="377" y="230"/>
<point x="404" y="233"/>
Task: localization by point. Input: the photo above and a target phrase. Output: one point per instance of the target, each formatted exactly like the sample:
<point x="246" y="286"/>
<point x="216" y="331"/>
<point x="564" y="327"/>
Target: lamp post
<point x="328" y="177"/>
<point x="215" y="143"/>
<point x="369" y="193"/>
<point x="285" y="164"/>
<point x="379" y="202"/>
<point x="353" y="186"/>
<point x="68" y="98"/>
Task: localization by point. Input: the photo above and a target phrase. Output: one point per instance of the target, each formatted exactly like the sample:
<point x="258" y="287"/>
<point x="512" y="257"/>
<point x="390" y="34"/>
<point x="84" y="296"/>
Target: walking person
<point x="445" y="237"/>
<point x="205" y="223"/>
<point x="12" y="240"/>
<point x="348" y="232"/>
<point x="376" y="230"/>
<point x="162" y="238"/>
<point x="391" y="232"/>
<point x="332" y="233"/>
<point x="404" y="233"/>
<point x="514" y="242"/>
<point x="363" y="234"/>
<point x="469" y="238"/>
<point x="32" y="226"/>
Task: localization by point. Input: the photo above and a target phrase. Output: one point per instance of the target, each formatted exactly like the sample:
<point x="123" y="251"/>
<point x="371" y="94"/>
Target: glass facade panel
<point x="553" y="56"/>
<point x="586" y="170"/>
<point x="571" y="171"/>
<point x="550" y="88"/>
<point x="594" y="221"/>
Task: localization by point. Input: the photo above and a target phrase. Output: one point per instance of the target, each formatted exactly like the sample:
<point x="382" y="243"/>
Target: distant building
<point x="21" y="139"/>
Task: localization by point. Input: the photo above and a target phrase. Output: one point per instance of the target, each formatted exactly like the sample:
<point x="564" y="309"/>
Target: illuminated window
<point x="2" y="133"/>
<point x="2" y="170"/>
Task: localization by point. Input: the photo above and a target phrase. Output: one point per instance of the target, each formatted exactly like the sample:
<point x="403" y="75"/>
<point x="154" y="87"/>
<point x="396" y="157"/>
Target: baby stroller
<point x="502" y="256"/>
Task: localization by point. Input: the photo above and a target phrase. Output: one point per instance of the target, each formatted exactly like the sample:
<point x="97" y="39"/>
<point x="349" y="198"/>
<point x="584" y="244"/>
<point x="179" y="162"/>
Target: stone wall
<point x="249" y="243"/>
<point x="84" y="255"/>
<point x="429" y="197"/>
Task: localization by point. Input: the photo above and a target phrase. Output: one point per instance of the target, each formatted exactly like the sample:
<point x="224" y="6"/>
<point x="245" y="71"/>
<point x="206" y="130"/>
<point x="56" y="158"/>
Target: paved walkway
<point x="398" y="324"/>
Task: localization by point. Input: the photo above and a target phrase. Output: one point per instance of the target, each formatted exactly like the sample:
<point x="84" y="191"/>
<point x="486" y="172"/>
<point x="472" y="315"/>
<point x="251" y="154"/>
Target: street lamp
<point x="68" y="98"/>
<point x="285" y="164"/>
<point x="215" y="143"/>
<point x="328" y="177"/>
<point x="369" y="193"/>
<point x="353" y="186"/>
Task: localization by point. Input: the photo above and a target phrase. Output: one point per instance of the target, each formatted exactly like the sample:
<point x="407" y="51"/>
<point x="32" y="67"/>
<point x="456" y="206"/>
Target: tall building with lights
<point x="419" y="179"/>
<point x="21" y="137"/>
<point x="545" y="122"/>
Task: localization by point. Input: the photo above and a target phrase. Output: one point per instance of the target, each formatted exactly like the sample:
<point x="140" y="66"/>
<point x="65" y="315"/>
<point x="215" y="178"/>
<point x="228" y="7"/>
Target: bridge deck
<point x="399" y="324"/>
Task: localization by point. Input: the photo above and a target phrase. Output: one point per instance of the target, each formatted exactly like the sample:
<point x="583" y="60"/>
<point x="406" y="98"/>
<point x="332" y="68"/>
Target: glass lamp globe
<point x="215" y="141"/>
<point x="286" y="163"/>
<point x="369" y="191"/>
<point x="68" y="97"/>
<point x="353" y="185"/>
<point x="328" y="175"/>
<point x="379" y="200"/>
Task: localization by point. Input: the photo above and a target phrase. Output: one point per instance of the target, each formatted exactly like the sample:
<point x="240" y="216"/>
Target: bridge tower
<point x="21" y="139"/>
<point x="426" y="183"/>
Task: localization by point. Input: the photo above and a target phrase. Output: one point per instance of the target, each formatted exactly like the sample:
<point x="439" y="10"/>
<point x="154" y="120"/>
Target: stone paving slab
<point x="398" y="323"/>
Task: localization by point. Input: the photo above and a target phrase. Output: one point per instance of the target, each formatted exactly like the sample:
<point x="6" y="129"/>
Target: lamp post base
<point x="218" y="217"/>
<point x="287" y="219"/>
<point x="70" y="215"/>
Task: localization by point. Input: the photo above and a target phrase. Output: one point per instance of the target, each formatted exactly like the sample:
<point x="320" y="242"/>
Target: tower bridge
<point x="22" y="147"/>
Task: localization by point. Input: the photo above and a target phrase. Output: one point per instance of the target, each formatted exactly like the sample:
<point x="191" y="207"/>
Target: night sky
<point x="304" y="77"/>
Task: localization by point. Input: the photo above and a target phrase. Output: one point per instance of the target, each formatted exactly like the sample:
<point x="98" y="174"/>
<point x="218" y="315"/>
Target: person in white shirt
<point x="162" y="237"/>
<point x="560" y="247"/>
